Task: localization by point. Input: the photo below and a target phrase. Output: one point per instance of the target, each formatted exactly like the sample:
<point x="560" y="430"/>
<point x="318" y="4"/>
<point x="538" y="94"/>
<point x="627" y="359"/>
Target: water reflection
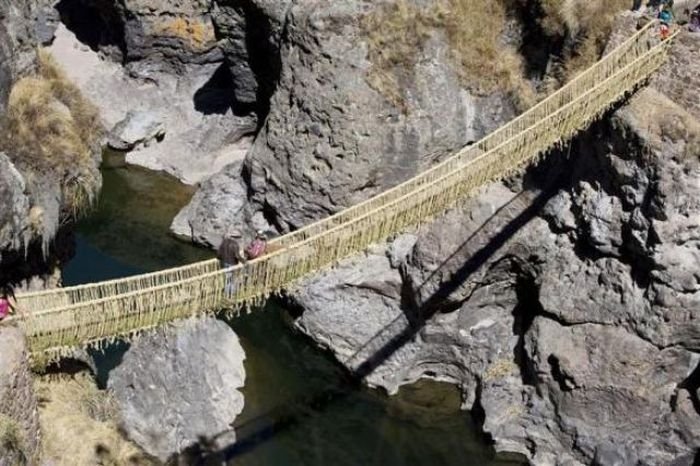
<point x="131" y="222"/>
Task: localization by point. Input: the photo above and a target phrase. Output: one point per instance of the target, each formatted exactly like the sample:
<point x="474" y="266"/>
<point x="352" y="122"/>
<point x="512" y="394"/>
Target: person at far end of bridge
<point x="258" y="246"/>
<point x="6" y="295"/>
<point x="694" y="24"/>
<point x="230" y="253"/>
<point x="665" y="17"/>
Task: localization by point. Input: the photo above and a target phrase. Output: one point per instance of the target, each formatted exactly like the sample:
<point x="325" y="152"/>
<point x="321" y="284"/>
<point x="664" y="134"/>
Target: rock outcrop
<point x="15" y="228"/>
<point x="330" y="138"/>
<point x="179" y="385"/>
<point x="566" y="312"/>
<point x="19" y="418"/>
<point x="198" y="131"/>
<point x="32" y="195"/>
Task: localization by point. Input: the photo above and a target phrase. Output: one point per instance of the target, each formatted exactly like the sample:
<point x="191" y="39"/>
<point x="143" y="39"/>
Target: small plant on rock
<point x="12" y="439"/>
<point x="50" y="130"/>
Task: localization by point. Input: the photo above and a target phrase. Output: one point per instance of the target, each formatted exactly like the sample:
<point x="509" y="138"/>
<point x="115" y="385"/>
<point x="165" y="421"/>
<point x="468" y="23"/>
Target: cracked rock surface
<point x="180" y="384"/>
<point x="568" y="312"/>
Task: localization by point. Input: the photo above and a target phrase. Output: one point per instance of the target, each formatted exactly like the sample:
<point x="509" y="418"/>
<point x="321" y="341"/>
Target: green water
<point x="301" y="408"/>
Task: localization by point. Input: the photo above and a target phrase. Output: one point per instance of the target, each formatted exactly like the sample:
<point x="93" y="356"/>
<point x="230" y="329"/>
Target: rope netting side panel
<point x="618" y="58"/>
<point x="624" y="54"/>
<point x="61" y="328"/>
<point x="59" y="297"/>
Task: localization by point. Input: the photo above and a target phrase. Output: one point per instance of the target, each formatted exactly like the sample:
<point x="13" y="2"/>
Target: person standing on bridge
<point x="6" y="297"/>
<point x="694" y="25"/>
<point x="257" y="247"/>
<point x="230" y="253"/>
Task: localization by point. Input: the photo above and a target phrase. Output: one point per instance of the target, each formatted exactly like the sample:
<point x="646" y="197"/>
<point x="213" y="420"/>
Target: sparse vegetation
<point x="473" y="28"/>
<point x="79" y="425"/>
<point x="193" y="32"/>
<point x="51" y="130"/>
<point x="499" y="369"/>
<point x="588" y="24"/>
<point x="12" y="438"/>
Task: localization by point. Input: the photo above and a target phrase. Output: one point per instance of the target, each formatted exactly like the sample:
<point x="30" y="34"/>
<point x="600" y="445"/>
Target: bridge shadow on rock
<point x="385" y="343"/>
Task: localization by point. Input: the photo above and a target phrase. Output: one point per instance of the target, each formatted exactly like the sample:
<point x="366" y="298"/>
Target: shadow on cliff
<point x="381" y="346"/>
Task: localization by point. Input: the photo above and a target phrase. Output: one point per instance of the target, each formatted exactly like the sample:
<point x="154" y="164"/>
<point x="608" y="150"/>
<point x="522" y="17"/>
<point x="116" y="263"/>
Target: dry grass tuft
<point x="587" y="22"/>
<point x="12" y="440"/>
<point x="79" y="426"/>
<point x="51" y="129"/>
<point x="501" y="368"/>
<point x="397" y="32"/>
<point x="193" y="32"/>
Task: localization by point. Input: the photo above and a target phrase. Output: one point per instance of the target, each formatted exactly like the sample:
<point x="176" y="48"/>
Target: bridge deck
<point x="57" y="320"/>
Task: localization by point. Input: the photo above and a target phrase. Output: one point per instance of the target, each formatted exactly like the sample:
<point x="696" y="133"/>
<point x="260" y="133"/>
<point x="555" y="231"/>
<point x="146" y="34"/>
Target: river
<point x="301" y="407"/>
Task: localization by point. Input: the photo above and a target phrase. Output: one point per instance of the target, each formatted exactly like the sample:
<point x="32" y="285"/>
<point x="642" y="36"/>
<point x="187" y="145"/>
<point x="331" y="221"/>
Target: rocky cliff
<point x="562" y="302"/>
<point x="49" y="141"/>
<point x="565" y="309"/>
<point x="331" y="138"/>
<point x="180" y="386"/>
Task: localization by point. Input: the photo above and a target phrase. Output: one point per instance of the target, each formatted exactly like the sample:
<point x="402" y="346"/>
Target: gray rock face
<point x="251" y="34"/>
<point x="17" y="42"/>
<point x="14" y="206"/>
<point x="137" y="128"/>
<point x="180" y="384"/>
<point x="330" y="139"/>
<point x="206" y="219"/>
<point x="566" y="313"/>
<point x="340" y="141"/>
<point x="19" y="417"/>
<point x="155" y="35"/>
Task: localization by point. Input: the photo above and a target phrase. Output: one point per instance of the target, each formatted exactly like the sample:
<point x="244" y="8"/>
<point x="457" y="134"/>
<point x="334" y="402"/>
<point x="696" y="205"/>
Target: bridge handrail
<point x="259" y="279"/>
<point x="87" y="292"/>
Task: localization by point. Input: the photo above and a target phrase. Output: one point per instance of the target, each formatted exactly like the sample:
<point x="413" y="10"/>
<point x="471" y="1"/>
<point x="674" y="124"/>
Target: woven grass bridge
<point x="55" y="321"/>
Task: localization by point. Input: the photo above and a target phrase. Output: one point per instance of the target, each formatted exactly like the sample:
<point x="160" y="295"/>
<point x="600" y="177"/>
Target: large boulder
<point x="180" y="384"/>
<point x="224" y="193"/>
<point x="19" y="417"/>
<point x="250" y="32"/>
<point x="331" y="139"/>
<point x="137" y="128"/>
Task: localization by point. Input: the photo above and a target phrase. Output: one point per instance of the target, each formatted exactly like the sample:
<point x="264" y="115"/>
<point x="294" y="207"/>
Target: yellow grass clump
<point x="193" y="32"/>
<point x="79" y="427"/>
<point x="501" y="368"/>
<point x="12" y="438"/>
<point x="396" y="33"/>
<point x="50" y="128"/>
<point x="587" y="22"/>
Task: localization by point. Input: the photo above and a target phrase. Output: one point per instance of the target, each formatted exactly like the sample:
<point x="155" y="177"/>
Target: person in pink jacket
<point x="6" y="307"/>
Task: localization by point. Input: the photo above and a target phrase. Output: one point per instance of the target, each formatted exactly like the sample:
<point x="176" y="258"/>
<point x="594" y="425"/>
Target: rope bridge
<point x="56" y="321"/>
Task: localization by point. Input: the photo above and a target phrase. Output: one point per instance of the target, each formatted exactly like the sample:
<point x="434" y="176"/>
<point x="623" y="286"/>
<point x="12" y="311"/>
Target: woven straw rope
<point x="59" y="328"/>
<point x="615" y="60"/>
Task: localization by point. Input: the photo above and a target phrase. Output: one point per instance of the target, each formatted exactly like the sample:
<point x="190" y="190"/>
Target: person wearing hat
<point x="230" y="253"/>
<point x="7" y="295"/>
<point x="258" y="246"/>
